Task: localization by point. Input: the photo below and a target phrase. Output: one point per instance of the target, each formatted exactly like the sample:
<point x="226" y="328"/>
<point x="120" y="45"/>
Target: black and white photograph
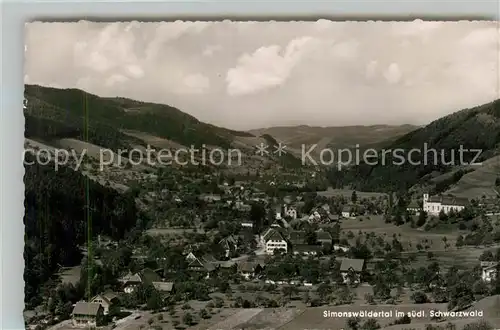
<point x="262" y="175"/>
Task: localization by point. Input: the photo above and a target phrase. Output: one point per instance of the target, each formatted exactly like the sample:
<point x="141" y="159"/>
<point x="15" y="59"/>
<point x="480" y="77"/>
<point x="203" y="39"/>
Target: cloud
<point x="393" y="74"/>
<point x="371" y="69"/>
<point x="211" y="50"/>
<point x="134" y="71"/>
<point x="315" y="73"/>
<point x="167" y="32"/>
<point x="115" y="79"/>
<point x="265" y="68"/>
<point x="194" y="84"/>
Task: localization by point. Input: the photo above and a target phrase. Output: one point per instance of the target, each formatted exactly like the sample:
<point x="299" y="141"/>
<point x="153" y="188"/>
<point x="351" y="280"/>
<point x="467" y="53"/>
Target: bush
<point x="404" y="320"/>
<point x="419" y="297"/>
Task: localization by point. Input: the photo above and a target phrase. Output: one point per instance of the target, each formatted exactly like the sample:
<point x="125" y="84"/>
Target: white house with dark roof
<point x="130" y="282"/>
<point x="435" y="204"/>
<point x="413" y="207"/>
<point x="348" y="211"/>
<point x="489" y="271"/>
<point x="274" y="240"/>
<point x="290" y="212"/>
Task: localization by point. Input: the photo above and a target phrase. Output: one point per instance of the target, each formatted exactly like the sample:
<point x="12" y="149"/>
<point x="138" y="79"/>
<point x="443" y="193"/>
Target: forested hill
<point x="64" y="210"/>
<point x="77" y="110"/>
<point x="474" y="128"/>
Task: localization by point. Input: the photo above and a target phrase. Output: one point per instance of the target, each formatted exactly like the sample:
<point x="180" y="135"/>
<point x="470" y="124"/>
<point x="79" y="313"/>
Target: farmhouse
<point x="323" y="237"/>
<point x="435" y="204"/>
<point x="229" y="244"/>
<point x="167" y="287"/>
<point x="273" y="241"/>
<point x="352" y="267"/>
<point x="297" y="237"/>
<point x="106" y="300"/>
<point x="347" y="212"/>
<point x="307" y="250"/>
<point x="488" y="271"/>
<point x="413" y="207"/>
<point x="87" y="314"/>
<point x="131" y="281"/>
<point x="250" y="269"/>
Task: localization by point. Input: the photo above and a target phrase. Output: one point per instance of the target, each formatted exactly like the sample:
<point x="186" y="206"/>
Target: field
<point x="313" y="318"/>
<point x="440" y="241"/>
<point x="348" y="193"/>
<point x="479" y="182"/>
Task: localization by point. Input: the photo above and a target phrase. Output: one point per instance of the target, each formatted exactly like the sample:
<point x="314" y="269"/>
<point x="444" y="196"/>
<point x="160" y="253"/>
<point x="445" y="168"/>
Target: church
<point x="434" y="204"/>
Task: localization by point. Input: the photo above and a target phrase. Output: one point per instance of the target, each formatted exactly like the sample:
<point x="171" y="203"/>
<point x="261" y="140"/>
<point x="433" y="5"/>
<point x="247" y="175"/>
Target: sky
<point x="247" y="75"/>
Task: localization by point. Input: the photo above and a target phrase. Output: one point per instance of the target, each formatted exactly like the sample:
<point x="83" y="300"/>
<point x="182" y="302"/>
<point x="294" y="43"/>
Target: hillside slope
<point x="59" y="117"/>
<point x="121" y="113"/>
<point x="476" y="128"/>
<point x="334" y="137"/>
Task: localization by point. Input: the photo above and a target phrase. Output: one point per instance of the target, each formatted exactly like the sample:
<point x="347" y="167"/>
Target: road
<point x="130" y="323"/>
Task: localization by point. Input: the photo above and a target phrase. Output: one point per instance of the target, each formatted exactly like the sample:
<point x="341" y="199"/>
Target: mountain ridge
<point x="472" y="128"/>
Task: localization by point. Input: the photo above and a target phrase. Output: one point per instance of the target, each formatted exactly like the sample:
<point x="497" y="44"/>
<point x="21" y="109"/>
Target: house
<point x="435" y="204"/>
<point x="167" y="287"/>
<point x="338" y="247"/>
<point x="290" y="212"/>
<point x="278" y="212"/>
<point x="106" y="299"/>
<point x="332" y="217"/>
<point x="229" y="244"/>
<point x="352" y="267"/>
<point x="413" y="207"/>
<point x="210" y="198"/>
<point x="278" y="223"/>
<point x="87" y="314"/>
<point x="206" y="258"/>
<point x="308" y="250"/>
<point x="348" y="211"/>
<point x="326" y="207"/>
<point x="206" y="264"/>
<point x="274" y="240"/>
<point x="297" y="237"/>
<point x="131" y="281"/>
<point x="323" y="237"/>
<point x="250" y="269"/>
<point x="315" y="216"/>
<point x="489" y="271"/>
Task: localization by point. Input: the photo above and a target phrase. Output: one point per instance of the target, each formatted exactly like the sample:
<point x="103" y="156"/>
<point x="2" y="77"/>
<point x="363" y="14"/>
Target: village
<point x="289" y="248"/>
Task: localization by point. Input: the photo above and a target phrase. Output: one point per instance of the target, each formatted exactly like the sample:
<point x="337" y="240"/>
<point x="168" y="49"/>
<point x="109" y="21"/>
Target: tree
<point x="204" y="314"/>
<point x="354" y="197"/>
<point x="289" y="291"/>
<point x="481" y="325"/>
<point x="187" y="319"/>
<point x="257" y="215"/>
<point x="419" y="297"/>
<point x="154" y="301"/>
<point x="461" y="296"/>
<point x="487" y="256"/>
<point x="353" y="323"/>
<point x="370" y="324"/>
<point x="443" y="216"/>
<point x="422" y="218"/>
